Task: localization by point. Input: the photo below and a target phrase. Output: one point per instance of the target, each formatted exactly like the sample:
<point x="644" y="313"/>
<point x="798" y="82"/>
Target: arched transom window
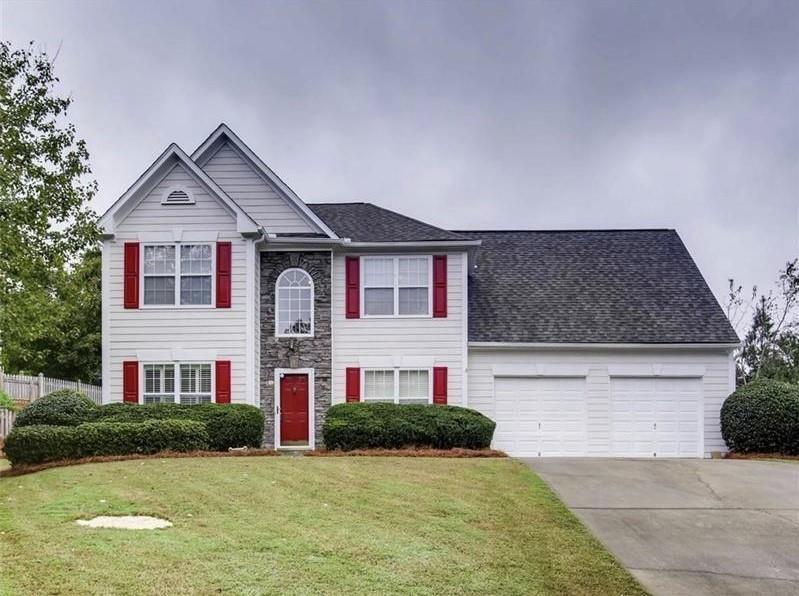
<point x="294" y="304"/>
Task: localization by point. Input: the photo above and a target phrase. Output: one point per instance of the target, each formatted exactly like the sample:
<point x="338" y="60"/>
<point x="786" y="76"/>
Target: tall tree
<point x="770" y="347"/>
<point x="46" y="225"/>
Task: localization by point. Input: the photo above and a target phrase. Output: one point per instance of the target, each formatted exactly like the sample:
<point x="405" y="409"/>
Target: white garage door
<point x="540" y="416"/>
<point x="656" y="417"/>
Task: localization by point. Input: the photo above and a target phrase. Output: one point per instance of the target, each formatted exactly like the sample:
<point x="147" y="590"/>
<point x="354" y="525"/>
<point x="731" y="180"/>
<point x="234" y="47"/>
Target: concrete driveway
<point x="689" y="526"/>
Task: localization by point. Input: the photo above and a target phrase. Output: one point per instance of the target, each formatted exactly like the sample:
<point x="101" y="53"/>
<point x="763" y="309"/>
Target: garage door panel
<point x="665" y="415"/>
<point x="540" y="415"/>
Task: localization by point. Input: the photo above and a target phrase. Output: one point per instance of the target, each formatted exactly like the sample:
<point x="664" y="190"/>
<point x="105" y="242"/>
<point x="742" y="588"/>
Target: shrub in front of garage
<point x="398" y="426"/>
<point x="762" y="417"/>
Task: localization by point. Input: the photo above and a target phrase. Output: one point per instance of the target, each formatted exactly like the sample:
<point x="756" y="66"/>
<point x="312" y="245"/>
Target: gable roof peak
<point x="172" y="156"/>
<point x="224" y="134"/>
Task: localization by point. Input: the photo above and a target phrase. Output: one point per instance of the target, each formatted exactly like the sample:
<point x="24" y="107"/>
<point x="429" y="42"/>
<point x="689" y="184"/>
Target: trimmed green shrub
<point x="392" y="426"/>
<point x="65" y="407"/>
<point x="6" y="403"/>
<point x="762" y="417"/>
<point x="227" y="425"/>
<point x="41" y="443"/>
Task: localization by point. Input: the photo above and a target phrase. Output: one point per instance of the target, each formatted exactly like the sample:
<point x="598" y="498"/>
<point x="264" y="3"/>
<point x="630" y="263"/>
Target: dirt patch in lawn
<point x="125" y="522"/>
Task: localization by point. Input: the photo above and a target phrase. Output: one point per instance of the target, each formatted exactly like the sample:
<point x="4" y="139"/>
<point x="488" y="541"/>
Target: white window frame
<point x="277" y="304"/>
<point x="396" y="288"/>
<point x="396" y="372"/>
<point x="144" y="391"/>
<point x="177" y="364"/>
<point x="177" y="275"/>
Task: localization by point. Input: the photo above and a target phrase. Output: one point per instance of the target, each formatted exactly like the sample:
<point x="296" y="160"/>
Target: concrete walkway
<point x="689" y="526"/>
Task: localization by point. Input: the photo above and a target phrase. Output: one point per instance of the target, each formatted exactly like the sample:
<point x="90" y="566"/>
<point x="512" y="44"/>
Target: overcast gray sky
<point x="484" y="115"/>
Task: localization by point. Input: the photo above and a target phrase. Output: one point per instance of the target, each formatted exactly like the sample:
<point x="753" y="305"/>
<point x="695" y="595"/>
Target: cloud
<point x="466" y="114"/>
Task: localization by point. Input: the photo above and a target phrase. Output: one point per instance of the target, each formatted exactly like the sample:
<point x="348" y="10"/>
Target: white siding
<point x="253" y="194"/>
<point x="403" y="342"/>
<point x="127" y="331"/>
<point x="717" y="382"/>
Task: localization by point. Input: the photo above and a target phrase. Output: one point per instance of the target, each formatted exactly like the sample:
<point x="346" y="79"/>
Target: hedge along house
<point x="220" y="284"/>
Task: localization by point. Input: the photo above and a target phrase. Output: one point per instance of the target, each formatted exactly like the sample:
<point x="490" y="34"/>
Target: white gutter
<point x="502" y="345"/>
<point x="417" y="244"/>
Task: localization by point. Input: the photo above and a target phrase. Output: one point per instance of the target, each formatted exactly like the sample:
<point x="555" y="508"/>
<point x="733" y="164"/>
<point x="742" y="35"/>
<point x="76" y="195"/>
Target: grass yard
<point x="300" y="525"/>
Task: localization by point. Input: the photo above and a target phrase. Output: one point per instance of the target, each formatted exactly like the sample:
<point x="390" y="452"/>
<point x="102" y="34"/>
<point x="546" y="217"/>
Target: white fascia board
<point x="205" y="151"/>
<point x="597" y="346"/>
<point x="172" y="156"/>
<point x="429" y="244"/>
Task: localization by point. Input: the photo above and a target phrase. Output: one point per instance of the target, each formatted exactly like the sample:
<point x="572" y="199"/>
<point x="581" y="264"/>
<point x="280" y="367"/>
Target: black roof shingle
<point x="365" y="222"/>
<point x="602" y="286"/>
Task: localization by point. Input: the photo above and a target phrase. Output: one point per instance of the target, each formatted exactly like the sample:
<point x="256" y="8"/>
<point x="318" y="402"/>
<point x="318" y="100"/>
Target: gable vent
<point x="178" y="197"/>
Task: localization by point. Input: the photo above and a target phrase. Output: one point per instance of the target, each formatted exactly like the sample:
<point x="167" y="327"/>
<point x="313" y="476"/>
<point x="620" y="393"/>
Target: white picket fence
<point x="27" y="388"/>
<point x="24" y="388"/>
<point x="6" y="422"/>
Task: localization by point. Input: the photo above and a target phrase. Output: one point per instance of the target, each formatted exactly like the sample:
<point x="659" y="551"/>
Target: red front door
<point x="293" y="409"/>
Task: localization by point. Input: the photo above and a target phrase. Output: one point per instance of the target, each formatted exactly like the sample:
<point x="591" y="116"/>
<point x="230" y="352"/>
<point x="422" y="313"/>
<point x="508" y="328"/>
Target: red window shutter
<point x="131" y="289"/>
<point x="440" y="385"/>
<point x="224" y="257"/>
<point x="130" y="382"/>
<point x="440" y="286"/>
<point x="353" y="392"/>
<point x="353" y="287"/>
<point x="223" y="381"/>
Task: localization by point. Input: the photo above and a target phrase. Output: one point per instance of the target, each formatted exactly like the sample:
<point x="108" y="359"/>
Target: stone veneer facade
<point x="296" y="352"/>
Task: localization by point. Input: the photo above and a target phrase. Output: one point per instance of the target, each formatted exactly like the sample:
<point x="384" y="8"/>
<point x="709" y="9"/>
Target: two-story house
<point x="221" y="285"/>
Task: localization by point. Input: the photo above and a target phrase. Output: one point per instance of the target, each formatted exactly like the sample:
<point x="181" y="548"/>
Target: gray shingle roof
<point x="613" y="286"/>
<point x="365" y="222"/>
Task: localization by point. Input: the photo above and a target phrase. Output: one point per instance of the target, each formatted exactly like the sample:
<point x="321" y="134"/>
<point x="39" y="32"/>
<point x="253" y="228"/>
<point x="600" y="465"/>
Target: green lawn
<point x="300" y="525"/>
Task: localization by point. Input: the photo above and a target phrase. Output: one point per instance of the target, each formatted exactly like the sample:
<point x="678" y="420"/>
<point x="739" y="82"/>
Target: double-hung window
<point x="399" y="386"/>
<point x="195" y="384"/>
<point x="159" y="383"/>
<point x="178" y="274"/>
<point x="185" y="383"/>
<point x="396" y="286"/>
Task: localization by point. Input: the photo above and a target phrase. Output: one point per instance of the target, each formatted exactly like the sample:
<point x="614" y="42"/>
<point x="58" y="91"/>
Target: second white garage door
<point x="540" y="416"/>
<point x="656" y="417"/>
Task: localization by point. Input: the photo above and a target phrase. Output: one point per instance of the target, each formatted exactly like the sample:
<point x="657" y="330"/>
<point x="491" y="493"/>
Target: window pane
<point x="195" y="258"/>
<point x="379" y="385"/>
<point x="378" y="301"/>
<point x="195" y="378"/>
<point x="413" y="271"/>
<point x="413" y="301"/>
<point x="294" y="304"/>
<point x="159" y="383"/>
<point x="378" y="272"/>
<point x="414" y="384"/>
<point x="193" y="400"/>
<point x="159" y="290"/>
<point x="295" y="278"/>
<point x="159" y="259"/>
<point x="195" y="290"/>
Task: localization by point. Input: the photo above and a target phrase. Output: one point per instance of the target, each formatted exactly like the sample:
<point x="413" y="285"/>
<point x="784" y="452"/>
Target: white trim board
<point x="502" y="345"/>
<point x="539" y="370"/>
<point x="656" y="370"/>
